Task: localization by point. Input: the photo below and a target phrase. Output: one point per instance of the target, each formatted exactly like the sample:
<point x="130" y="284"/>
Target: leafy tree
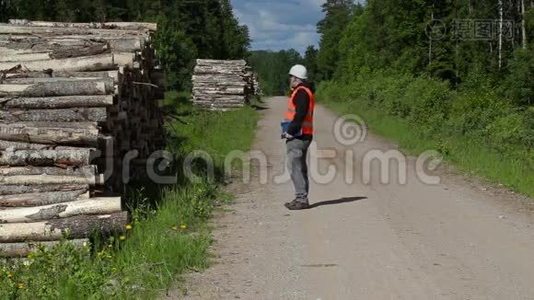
<point x="519" y="84"/>
<point x="177" y="53"/>
<point x="273" y="67"/>
<point x="235" y="36"/>
<point x="337" y="16"/>
<point x="310" y="61"/>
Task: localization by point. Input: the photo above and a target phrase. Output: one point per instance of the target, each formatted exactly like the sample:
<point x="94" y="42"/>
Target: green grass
<point x="468" y="155"/>
<point x="169" y="235"/>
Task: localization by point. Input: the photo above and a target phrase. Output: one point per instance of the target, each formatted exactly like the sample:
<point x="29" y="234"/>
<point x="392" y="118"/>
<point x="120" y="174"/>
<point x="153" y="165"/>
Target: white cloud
<point x="276" y="25"/>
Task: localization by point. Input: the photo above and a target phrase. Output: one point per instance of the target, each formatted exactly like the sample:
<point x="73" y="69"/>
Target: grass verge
<point x="168" y="235"/>
<point x="470" y="155"/>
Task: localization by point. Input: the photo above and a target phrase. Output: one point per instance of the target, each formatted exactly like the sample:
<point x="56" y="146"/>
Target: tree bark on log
<point x="217" y="91"/>
<point x="12" y="57"/>
<point x="219" y="98"/>
<point x="56" y="31"/>
<point x="73" y="227"/>
<point x="78" y="64"/>
<point x="57" y="102"/>
<point x="17" y="77"/>
<point x="22" y="50"/>
<point x="45" y="157"/>
<point x="124" y="59"/>
<point x="210" y="62"/>
<point x="5" y="145"/>
<point x="29" y="170"/>
<point x="6" y="190"/>
<point x="70" y="52"/>
<point x="49" y="175"/>
<point x="106" y="25"/>
<point x="19" y="250"/>
<point x="43" y="198"/>
<point x="78" y="114"/>
<point x="58" y="88"/>
<point x="123" y="44"/>
<point x="79" y="134"/>
<point x="219" y="78"/>
<point x="93" y="206"/>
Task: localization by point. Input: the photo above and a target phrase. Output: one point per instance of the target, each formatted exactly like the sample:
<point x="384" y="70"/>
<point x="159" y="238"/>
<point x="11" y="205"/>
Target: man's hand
<point x="286" y="135"/>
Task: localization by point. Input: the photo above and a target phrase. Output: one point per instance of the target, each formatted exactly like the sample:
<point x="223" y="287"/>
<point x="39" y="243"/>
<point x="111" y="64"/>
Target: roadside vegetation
<point x="433" y="89"/>
<point x="169" y="233"/>
<point x="478" y="133"/>
<point x="408" y="69"/>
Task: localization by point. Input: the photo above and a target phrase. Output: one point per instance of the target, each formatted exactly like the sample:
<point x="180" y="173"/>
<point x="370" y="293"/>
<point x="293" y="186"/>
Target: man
<point x="299" y="134"/>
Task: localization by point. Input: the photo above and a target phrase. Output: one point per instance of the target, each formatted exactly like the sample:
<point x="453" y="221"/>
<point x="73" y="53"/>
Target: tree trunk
<point x="6" y="190"/>
<point x="46" y="157"/>
<point x="20" y="77"/>
<point x="5" y="145"/>
<point x="55" y="115"/>
<point x="56" y="102"/>
<point x="53" y="133"/>
<point x="68" y="52"/>
<point x="14" y="250"/>
<point x="523" y="25"/>
<point x="43" y="198"/>
<point x="77" y="64"/>
<point x="220" y="91"/>
<point x="29" y="175"/>
<point x="12" y="57"/>
<point x="107" y="25"/>
<point x="58" y="87"/>
<point x="430" y="40"/>
<point x="93" y="206"/>
<point x="211" y="62"/>
<point x="500" y="32"/>
<point x="73" y="227"/>
<point x="47" y="49"/>
<point x="57" y="31"/>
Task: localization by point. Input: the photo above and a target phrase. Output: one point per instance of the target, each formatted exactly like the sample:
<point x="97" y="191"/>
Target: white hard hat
<point x="299" y="71"/>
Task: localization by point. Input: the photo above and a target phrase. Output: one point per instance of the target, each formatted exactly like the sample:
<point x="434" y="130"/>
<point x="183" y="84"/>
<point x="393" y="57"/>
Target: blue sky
<point x="280" y="24"/>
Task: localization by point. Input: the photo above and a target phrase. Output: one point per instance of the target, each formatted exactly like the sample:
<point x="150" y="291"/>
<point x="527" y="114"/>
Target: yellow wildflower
<point x="122" y="237"/>
<point x="183" y="226"/>
<point x="128" y="227"/>
<point x="21" y="285"/>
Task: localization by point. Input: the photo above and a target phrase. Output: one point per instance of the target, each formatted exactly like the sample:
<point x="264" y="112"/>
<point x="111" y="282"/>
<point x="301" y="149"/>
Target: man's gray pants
<point x="297" y="150"/>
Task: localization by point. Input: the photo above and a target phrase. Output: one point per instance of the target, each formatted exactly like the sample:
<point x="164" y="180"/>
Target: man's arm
<point x="302" y="104"/>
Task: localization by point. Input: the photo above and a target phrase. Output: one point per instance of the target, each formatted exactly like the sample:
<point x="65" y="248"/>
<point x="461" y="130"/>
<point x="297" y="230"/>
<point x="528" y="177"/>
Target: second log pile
<point x="222" y="84"/>
<point x="74" y="99"/>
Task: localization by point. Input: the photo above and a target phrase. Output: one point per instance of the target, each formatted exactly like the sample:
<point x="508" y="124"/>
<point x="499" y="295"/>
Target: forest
<point x="457" y="72"/>
<point x="187" y="29"/>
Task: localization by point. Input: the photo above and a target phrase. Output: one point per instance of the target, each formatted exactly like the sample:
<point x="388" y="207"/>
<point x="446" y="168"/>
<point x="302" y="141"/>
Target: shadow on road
<point x="337" y="201"/>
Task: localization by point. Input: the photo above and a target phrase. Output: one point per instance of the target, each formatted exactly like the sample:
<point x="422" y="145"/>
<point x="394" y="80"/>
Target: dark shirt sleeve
<point x="302" y="104"/>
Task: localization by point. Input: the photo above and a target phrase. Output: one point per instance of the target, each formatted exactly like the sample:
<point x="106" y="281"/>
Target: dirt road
<point x="454" y="240"/>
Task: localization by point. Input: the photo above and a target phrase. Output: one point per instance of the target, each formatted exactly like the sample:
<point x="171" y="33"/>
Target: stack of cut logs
<point x="222" y="84"/>
<point x="74" y="100"/>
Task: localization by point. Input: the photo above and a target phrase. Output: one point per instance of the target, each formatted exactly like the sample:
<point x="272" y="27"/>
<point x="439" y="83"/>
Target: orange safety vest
<point x="307" y="125"/>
